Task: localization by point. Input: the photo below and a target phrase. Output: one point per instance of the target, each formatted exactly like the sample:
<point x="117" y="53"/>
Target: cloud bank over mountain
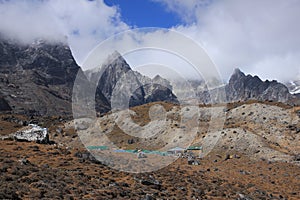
<point x="260" y="37"/>
<point x="84" y="23"/>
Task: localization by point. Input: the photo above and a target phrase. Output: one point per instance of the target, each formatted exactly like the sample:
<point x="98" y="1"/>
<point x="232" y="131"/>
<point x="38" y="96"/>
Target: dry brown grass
<point x="142" y="112"/>
<point x="54" y="172"/>
<point x="57" y="172"/>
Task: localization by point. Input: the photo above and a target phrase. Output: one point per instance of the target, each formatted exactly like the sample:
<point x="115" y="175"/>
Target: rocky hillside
<point x="121" y="85"/>
<point x="37" y="79"/>
<point x="251" y="129"/>
<point x="256" y="157"/>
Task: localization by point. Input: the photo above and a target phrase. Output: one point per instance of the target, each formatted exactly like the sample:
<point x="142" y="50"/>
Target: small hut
<point x="176" y="151"/>
<point x="196" y="150"/>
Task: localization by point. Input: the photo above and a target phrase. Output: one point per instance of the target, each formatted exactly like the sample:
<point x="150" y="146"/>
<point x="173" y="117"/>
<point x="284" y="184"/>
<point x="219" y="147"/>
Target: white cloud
<point x="187" y="9"/>
<point x="27" y="20"/>
<point x="92" y="20"/>
<point x="84" y="22"/>
<point x="260" y="37"/>
<point x="157" y="51"/>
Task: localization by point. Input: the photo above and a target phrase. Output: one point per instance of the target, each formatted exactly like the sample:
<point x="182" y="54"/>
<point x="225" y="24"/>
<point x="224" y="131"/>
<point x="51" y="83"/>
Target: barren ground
<point x="263" y="137"/>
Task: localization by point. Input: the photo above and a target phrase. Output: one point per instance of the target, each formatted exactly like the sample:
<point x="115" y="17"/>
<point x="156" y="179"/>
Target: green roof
<point x="97" y="147"/>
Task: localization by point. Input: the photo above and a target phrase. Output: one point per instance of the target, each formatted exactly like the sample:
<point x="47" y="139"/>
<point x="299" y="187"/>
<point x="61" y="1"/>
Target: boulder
<point x="32" y="133"/>
<point x="150" y="181"/>
<point x="297" y="157"/>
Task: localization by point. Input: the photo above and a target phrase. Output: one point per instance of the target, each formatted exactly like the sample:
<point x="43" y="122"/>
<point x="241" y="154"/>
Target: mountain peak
<point x="237" y="71"/>
<point x="237" y="75"/>
<point x="157" y="77"/>
<point x="116" y="54"/>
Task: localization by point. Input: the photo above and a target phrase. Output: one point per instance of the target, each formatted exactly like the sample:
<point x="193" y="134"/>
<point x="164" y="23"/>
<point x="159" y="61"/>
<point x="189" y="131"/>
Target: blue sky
<point x="145" y="13"/>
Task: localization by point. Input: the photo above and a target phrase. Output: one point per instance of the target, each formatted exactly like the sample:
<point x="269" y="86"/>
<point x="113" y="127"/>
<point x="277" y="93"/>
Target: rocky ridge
<point x="242" y="88"/>
<point x="38" y="79"/>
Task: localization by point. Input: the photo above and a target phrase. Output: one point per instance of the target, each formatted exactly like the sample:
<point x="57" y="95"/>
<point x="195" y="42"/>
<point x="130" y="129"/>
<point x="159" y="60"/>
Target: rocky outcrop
<point x="242" y="87"/>
<point x="38" y="78"/>
<point x="122" y="86"/>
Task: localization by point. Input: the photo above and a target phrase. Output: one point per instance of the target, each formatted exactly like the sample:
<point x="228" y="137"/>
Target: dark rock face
<point x="116" y="67"/>
<point x="37" y="79"/>
<point x="4" y="106"/>
<point x="157" y="89"/>
<point x="122" y="86"/>
<point x="53" y="62"/>
<point x="242" y="87"/>
<point x="159" y="92"/>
